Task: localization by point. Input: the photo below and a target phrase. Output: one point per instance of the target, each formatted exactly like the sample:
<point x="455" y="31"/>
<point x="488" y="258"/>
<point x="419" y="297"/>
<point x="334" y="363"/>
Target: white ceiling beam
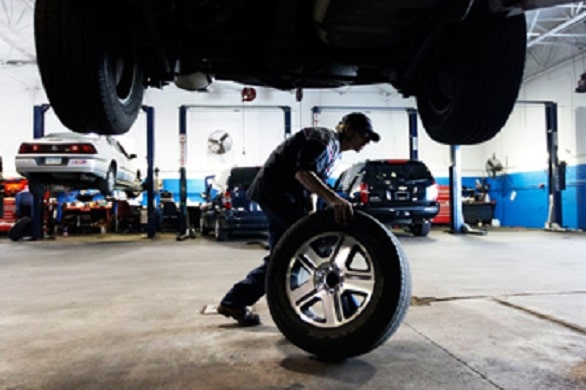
<point x="27" y="54"/>
<point x="558" y="29"/>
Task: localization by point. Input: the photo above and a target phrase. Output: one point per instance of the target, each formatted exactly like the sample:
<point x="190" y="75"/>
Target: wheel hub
<point x="331" y="280"/>
<point x="328" y="276"/>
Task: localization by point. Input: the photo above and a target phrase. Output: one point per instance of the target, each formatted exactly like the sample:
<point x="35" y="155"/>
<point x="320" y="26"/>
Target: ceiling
<point x="555" y="35"/>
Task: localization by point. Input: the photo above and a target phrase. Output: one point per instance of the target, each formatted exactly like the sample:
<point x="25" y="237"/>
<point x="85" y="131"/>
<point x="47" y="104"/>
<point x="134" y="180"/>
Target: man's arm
<point x="343" y="211"/>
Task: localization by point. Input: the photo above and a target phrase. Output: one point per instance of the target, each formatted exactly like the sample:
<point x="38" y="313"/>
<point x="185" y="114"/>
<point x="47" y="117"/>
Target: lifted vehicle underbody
<point x="96" y="59"/>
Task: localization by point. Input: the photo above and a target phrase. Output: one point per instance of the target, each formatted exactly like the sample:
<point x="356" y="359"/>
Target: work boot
<point x="243" y="315"/>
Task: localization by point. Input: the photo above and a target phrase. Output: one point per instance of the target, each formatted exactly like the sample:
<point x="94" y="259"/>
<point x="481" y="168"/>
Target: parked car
<point x="396" y="192"/>
<point x="81" y="161"/>
<point x="463" y="61"/>
<point x="226" y="209"/>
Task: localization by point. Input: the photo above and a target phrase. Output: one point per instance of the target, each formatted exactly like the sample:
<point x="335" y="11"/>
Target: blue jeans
<point x="250" y="289"/>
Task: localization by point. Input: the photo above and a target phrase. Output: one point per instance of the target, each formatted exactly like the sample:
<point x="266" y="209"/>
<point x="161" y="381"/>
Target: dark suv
<point x="396" y="192"/>
<point x="226" y="209"/>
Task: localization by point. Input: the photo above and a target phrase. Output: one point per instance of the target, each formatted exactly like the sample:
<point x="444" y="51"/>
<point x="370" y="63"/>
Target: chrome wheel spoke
<point x="359" y="282"/>
<point x="308" y="260"/>
<point x="332" y="307"/>
<point x="330" y="280"/>
<point x="303" y="294"/>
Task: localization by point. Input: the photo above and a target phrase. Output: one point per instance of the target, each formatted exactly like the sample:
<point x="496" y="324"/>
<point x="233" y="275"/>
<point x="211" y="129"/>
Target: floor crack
<point x="542" y="316"/>
<point x="427" y="301"/>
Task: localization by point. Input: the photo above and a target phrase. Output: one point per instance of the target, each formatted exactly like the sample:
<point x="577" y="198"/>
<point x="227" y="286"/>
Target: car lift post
<point x="37" y="189"/>
<point x="457" y="224"/>
<point x="413" y="143"/>
<point x="555" y="176"/>
<point x="411" y="112"/>
<point x="150" y="182"/>
<point x="185" y="228"/>
<point x="554" y="218"/>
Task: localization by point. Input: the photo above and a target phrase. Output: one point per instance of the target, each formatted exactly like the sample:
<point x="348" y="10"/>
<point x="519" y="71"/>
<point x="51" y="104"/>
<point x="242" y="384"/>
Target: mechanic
<point x="23" y="203"/>
<point x="297" y="168"/>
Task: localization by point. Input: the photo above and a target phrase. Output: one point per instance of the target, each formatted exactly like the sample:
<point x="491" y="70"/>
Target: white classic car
<point x="81" y="161"/>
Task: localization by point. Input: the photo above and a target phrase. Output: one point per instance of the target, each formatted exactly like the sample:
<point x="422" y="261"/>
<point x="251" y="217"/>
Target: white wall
<point x="255" y="132"/>
<point x="520" y="145"/>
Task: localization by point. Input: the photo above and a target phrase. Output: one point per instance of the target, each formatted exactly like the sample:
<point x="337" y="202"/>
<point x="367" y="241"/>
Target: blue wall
<point x="194" y="189"/>
<point x="522" y="199"/>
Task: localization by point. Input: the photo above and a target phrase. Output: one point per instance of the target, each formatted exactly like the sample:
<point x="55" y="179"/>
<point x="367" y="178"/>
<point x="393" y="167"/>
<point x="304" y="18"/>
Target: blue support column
<point x="554" y="220"/>
<point x="315" y="111"/>
<point x="39" y="120"/>
<point x="287" y="113"/>
<point x="37" y="189"/>
<point x="457" y="219"/>
<point x="554" y="179"/>
<point x="413" y="140"/>
<point x="182" y="225"/>
<point x="150" y="181"/>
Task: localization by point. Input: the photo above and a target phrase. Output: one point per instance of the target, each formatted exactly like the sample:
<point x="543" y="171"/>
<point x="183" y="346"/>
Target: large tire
<point x="22" y="228"/>
<point x="89" y="63"/>
<point x="338" y="291"/>
<point x="421" y="228"/>
<point x="108" y="184"/>
<point x="468" y="87"/>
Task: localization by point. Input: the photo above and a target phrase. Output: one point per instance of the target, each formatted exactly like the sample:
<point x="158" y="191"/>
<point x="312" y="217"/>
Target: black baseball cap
<point x="361" y="123"/>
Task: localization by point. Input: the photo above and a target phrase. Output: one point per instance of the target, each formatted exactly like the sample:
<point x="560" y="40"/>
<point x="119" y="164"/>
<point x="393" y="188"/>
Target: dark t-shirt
<point x="23" y="204"/>
<point x="313" y="149"/>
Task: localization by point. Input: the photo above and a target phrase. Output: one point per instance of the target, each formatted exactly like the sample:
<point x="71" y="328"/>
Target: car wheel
<point x="338" y="291"/>
<point x="469" y="85"/>
<point x="108" y="184"/>
<point x="220" y="233"/>
<point x="89" y="63"/>
<point x="421" y="228"/>
<point x="22" y="228"/>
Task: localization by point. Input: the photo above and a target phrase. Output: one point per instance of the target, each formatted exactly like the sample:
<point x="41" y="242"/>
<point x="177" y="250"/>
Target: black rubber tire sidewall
<point x="421" y="229"/>
<point x="382" y="316"/>
<point x="74" y="57"/>
<point x="490" y="52"/>
<point x="105" y="187"/>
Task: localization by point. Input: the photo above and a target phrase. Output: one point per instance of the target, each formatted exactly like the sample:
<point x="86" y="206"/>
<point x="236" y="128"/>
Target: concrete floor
<point x="501" y="311"/>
